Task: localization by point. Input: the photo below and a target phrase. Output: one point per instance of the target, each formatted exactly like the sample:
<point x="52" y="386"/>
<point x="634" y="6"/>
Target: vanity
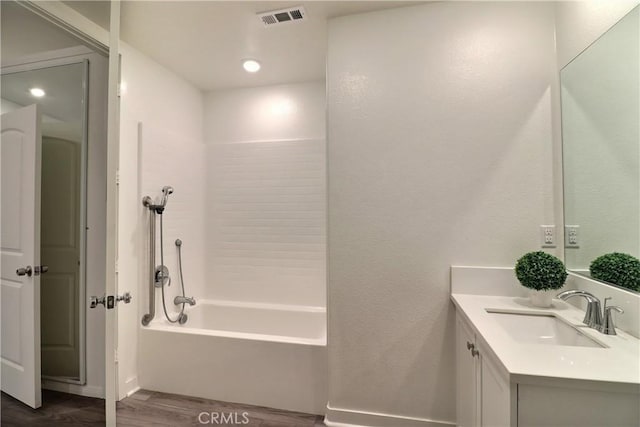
<point x="519" y="365"/>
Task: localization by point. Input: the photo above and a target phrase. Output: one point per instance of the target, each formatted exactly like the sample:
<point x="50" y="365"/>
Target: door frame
<point x="82" y="28"/>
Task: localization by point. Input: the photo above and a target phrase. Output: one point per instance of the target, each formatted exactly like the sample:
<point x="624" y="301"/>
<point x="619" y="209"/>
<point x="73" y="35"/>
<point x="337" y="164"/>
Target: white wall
<point x="161" y="117"/>
<point x="280" y="112"/>
<point x="580" y="23"/>
<point x="439" y="153"/>
<point x="24" y="33"/>
<point x="266" y="194"/>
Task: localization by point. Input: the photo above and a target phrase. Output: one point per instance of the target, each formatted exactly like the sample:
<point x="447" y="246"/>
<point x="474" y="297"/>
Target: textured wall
<point x="439" y="153"/>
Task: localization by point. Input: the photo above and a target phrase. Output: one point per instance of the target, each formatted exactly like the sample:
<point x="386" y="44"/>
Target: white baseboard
<point x="130" y="387"/>
<point x="81" y="390"/>
<point x="338" y="417"/>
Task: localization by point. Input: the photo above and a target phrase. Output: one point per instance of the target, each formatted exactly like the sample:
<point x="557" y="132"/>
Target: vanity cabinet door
<point x="467" y="377"/>
<point x="495" y="392"/>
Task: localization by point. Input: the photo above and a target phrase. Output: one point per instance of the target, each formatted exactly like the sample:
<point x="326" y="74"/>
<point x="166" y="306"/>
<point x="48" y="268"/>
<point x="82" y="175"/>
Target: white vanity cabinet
<point x="483" y="395"/>
<point x="488" y="396"/>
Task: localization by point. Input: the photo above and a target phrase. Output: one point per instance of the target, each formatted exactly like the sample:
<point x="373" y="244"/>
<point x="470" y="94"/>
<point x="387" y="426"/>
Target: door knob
<point x="26" y="271"/>
<point x="110" y="301"/>
<point x="40" y="269"/>
<point x="94" y="301"/>
<point x="126" y="298"/>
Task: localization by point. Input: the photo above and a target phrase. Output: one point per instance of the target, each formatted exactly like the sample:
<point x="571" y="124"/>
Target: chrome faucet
<point x="592" y="317"/>
<point x="184" y="300"/>
<point x="607" y="327"/>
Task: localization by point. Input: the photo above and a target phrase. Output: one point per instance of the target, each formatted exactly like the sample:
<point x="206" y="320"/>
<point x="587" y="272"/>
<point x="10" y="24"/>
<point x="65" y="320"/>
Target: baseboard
<point x="130" y="387"/>
<point x="338" y="417"/>
<point x="80" y="390"/>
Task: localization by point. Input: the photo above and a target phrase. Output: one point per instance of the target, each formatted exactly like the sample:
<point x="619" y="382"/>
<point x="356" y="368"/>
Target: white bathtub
<point x="259" y="354"/>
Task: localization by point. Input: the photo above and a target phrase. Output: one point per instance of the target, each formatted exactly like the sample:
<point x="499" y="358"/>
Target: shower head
<point x="165" y="195"/>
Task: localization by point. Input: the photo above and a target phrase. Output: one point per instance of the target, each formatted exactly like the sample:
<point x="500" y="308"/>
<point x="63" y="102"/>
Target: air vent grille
<point x="283" y="16"/>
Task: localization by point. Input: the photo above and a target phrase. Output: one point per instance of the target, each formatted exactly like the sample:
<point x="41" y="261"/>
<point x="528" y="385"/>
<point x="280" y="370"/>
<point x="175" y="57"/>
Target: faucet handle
<point x="592" y="316"/>
<point x="608" y="327"/>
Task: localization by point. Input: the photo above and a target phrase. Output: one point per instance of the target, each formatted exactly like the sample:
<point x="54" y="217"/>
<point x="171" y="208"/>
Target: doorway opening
<point x="68" y="82"/>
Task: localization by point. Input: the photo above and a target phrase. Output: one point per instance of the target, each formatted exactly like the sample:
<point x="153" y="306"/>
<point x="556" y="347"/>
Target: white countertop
<point x="618" y="364"/>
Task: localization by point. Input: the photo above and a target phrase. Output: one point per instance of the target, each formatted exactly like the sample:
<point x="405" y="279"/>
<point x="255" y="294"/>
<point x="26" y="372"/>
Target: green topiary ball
<point x="540" y="271"/>
<point x="617" y="268"/>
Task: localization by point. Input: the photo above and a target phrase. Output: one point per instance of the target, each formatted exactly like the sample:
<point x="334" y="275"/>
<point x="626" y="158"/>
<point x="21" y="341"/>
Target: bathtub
<point x="258" y="354"/>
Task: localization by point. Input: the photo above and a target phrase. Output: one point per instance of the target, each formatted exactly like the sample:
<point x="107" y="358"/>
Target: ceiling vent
<point x="283" y="16"/>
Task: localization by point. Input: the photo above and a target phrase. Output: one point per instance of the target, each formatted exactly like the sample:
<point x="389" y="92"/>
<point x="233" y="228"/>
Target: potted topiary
<point x="617" y="268"/>
<point x="542" y="274"/>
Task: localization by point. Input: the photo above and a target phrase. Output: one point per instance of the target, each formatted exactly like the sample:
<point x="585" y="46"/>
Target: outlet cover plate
<point x="571" y="236"/>
<point x="548" y="236"/>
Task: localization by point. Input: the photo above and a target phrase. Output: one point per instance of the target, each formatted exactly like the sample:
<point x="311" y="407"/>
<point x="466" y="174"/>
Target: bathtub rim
<point x="160" y="324"/>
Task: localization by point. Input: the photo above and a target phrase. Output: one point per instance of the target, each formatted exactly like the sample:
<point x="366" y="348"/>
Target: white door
<point x="20" y="251"/>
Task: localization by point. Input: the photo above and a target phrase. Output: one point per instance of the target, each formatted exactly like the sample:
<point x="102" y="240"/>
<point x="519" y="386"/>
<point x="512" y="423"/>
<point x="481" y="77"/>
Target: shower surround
<point x="250" y="207"/>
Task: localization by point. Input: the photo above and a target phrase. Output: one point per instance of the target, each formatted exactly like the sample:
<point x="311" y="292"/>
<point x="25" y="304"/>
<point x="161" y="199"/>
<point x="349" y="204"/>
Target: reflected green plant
<point x="617" y="268"/>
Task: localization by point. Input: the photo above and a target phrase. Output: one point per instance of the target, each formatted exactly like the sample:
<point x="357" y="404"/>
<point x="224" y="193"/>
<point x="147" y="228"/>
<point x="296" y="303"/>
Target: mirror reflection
<point x="601" y="154"/>
<point x="61" y="93"/>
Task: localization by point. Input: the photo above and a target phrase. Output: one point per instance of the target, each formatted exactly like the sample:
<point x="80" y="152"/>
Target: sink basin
<point x="541" y="329"/>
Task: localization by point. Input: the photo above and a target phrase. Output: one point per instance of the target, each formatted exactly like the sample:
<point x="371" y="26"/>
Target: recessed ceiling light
<point x="37" y="92"/>
<point x="251" y="65"/>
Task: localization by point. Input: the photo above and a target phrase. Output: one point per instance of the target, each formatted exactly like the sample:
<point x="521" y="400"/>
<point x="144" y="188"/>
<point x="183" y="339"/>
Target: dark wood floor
<point x="58" y="409"/>
<point x="148" y="408"/>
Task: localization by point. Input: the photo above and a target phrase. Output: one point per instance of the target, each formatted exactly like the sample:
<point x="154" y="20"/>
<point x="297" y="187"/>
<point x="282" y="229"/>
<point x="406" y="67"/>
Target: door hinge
<point x="118" y="177"/>
<point x="115" y="355"/>
<point x="116" y="266"/>
<point x="119" y="90"/>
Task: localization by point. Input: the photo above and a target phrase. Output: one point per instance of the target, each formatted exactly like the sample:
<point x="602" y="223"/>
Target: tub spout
<point x="184" y="300"/>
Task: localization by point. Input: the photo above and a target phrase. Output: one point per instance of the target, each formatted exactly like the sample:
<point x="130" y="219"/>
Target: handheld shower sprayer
<point x="159" y="208"/>
<point x="165" y="195"/>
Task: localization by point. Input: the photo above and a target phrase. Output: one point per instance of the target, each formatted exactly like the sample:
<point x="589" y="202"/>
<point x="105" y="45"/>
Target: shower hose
<point x="181" y="315"/>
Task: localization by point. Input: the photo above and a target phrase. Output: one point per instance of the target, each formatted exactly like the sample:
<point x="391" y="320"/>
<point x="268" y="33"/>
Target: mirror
<point x="62" y="99"/>
<point x="601" y="147"/>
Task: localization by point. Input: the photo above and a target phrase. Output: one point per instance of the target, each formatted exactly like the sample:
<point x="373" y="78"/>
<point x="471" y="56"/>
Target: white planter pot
<point x="542" y="298"/>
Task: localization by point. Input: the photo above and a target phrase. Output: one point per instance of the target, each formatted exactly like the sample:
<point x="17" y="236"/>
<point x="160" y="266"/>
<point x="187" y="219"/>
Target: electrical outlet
<point x="548" y="236"/>
<point x="572" y="236"/>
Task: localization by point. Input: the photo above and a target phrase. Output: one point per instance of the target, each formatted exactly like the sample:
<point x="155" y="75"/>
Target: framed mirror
<point x="601" y="155"/>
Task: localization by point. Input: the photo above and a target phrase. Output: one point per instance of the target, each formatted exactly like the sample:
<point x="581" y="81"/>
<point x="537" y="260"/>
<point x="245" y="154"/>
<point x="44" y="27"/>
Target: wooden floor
<point x="58" y="409"/>
<point x="148" y="408"/>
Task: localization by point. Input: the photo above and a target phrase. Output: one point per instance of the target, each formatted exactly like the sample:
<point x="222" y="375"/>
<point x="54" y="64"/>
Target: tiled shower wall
<point x="265" y="211"/>
<point x="266" y="221"/>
